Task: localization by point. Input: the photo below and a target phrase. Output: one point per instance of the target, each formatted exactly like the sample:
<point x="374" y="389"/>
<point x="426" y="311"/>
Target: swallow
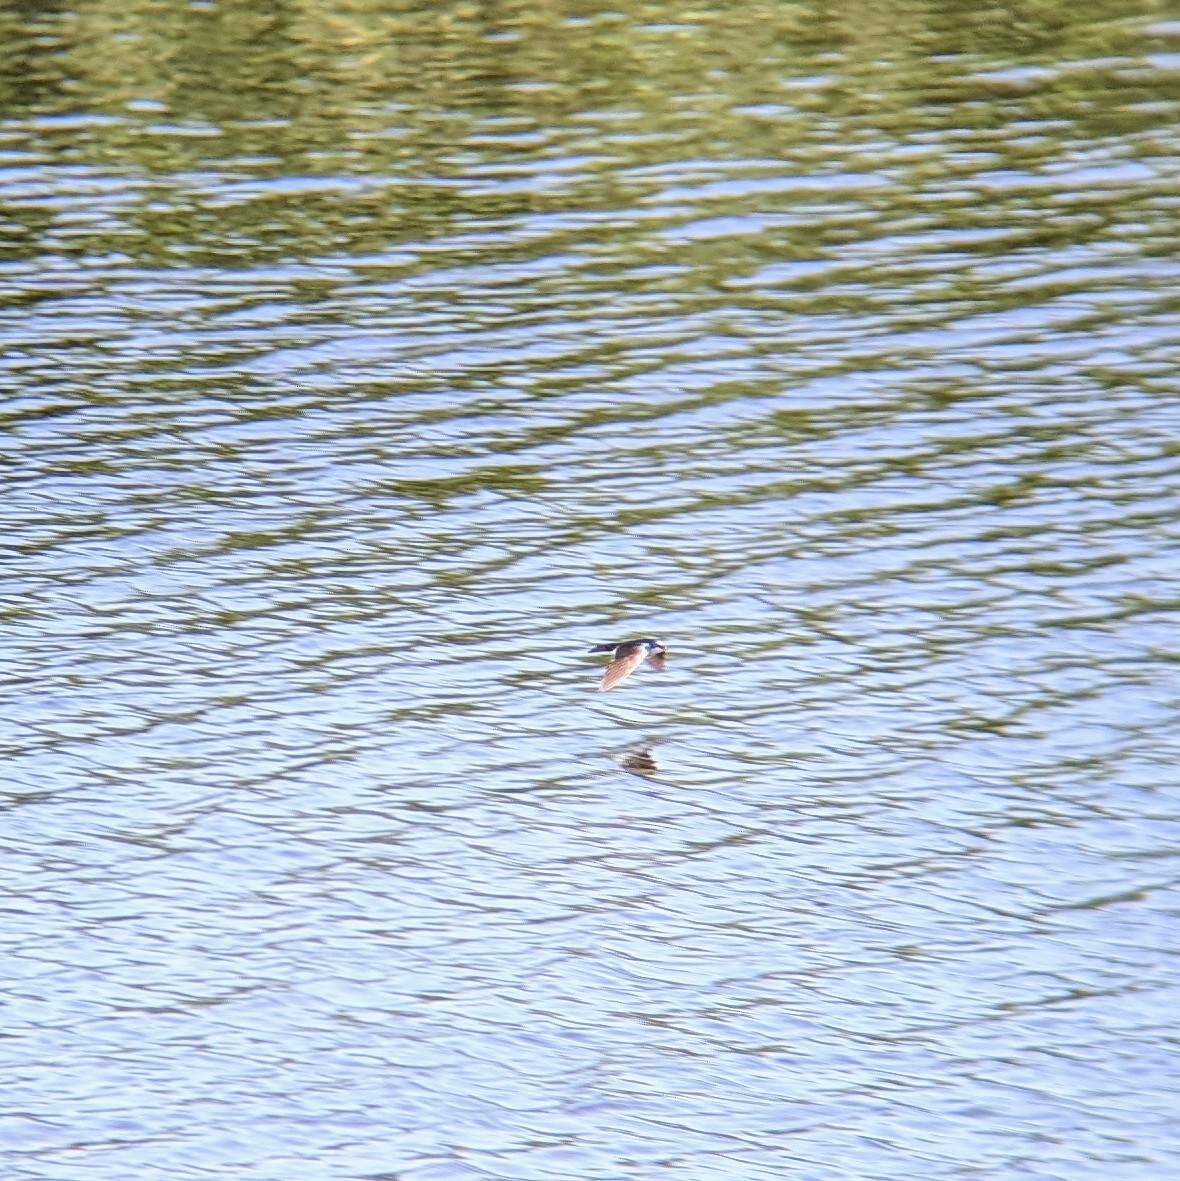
<point x="628" y="656"/>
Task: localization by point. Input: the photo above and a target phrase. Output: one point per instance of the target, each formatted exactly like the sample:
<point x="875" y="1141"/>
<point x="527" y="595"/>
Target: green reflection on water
<point x="424" y="120"/>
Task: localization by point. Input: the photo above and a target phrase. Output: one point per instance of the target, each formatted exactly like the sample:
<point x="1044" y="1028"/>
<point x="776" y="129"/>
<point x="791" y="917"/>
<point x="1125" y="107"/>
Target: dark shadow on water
<point x="640" y="762"/>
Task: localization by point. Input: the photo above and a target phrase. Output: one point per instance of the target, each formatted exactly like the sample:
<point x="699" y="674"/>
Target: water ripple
<point x="338" y="433"/>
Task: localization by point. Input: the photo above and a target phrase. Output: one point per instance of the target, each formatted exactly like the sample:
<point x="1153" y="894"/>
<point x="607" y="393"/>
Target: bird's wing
<point x="658" y="661"/>
<point x="620" y="668"/>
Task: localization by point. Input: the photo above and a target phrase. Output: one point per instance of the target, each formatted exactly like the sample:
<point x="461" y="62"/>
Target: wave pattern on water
<point x="324" y="858"/>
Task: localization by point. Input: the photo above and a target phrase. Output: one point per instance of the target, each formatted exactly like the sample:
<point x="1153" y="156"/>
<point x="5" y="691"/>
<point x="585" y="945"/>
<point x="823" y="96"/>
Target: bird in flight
<point x="628" y="656"/>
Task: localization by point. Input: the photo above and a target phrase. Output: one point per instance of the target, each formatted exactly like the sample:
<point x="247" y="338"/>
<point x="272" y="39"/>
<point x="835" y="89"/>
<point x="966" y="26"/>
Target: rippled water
<point x="363" y="366"/>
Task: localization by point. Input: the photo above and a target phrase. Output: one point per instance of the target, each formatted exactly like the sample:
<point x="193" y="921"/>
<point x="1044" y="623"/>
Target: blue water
<point x="349" y="400"/>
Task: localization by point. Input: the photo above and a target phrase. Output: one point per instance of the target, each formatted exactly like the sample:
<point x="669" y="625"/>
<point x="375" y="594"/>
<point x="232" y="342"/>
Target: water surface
<point x="363" y="366"/>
